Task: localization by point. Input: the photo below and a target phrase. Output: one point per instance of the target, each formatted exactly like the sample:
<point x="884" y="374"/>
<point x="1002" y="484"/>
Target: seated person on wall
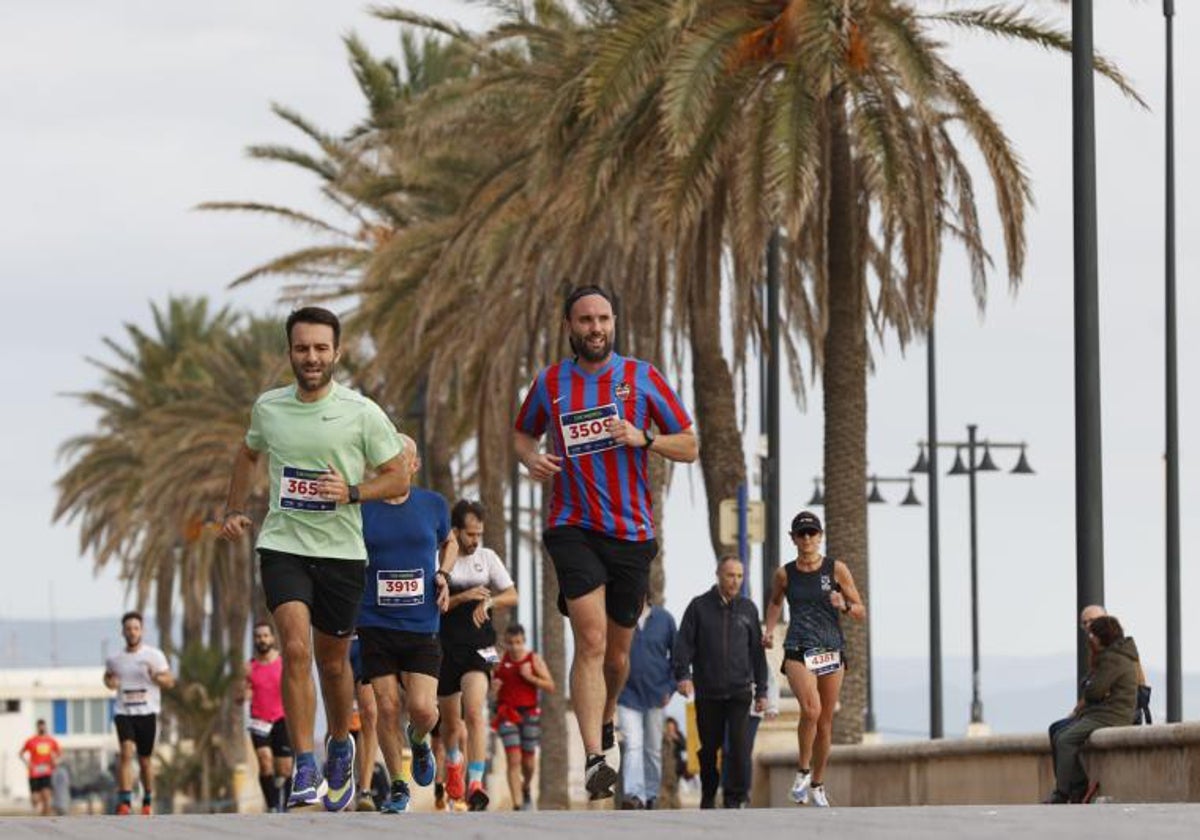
<point x="1109" y="698"/>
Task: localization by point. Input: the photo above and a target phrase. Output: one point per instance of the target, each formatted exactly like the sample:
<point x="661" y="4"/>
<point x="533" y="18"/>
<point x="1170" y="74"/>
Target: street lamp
<point x="874" y="497"/>
<point x="970" y="467"/>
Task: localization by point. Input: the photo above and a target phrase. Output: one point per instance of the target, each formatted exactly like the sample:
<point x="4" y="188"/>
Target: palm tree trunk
<point x="845" y="397"/>
<point x="722" y="459"/>
<point x="554" y="769"/>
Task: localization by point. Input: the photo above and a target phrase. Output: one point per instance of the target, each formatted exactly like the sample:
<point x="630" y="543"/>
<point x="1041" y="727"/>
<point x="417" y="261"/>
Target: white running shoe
<point x="800" y="787"/>
<point x="819" y="799"/>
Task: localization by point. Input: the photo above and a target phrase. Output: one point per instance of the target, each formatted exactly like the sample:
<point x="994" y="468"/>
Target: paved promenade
<point x="1029" y="821"/>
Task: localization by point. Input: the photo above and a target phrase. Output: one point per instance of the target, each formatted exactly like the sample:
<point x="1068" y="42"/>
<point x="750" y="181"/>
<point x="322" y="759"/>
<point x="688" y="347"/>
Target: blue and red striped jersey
<point x="603" y="486"/>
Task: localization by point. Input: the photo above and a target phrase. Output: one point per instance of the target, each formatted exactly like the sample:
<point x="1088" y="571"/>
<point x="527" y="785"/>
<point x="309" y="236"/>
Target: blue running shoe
<point x="397" y="801"/>
<point x="424" y="765"/>
<point x="307" y="786"/>
<point x="339" y="771"/>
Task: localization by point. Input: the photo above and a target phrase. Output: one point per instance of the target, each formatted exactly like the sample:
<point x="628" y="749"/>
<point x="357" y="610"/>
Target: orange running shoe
<point x="456" y="785"/>
<point x="123" y="809"/>
<point x="147" y="810"/>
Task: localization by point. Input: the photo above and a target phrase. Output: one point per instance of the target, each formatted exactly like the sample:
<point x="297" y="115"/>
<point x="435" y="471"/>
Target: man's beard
<point x="326" y="377"/>
<point x="262" y="647"/>
<point x="581" y="349"/>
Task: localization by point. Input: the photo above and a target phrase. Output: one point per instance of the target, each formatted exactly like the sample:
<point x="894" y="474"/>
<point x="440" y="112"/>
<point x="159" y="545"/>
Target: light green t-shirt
<point x="301" y="439"/>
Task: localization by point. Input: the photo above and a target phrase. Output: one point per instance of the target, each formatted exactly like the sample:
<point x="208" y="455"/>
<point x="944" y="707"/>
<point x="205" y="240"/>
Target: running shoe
<point x="599" y="779"/>
<point x="477" y="798"/>
<point x="608" y="745"/>
<point x="308" y="786"/>
<point x="456" y="784"/>
<point x="526" y="800"/>
<point x="800" y="787"/>
<point x="147" y="810"/>
<point x="819" y="799"/>
<point x="397" y="802"/>
<point x="124" y="809"/>
<point x="439" y="802"/>
<point x="339" y="770"/>
<point x="424" y="765"/>
<point x="366" y="802"/>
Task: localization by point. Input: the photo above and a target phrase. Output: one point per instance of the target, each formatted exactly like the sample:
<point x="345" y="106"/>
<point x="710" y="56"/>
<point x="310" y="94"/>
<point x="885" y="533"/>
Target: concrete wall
<point x="1132" y="763"/>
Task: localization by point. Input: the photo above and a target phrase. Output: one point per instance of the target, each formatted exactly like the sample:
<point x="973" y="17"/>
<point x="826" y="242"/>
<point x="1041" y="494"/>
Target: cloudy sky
<point x="118" y="118"/>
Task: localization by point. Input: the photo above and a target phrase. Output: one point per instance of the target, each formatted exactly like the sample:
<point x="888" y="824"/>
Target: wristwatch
<point x="650" y="438"/>
<point x="444" y="574"/>
<point x="352" y="490"/>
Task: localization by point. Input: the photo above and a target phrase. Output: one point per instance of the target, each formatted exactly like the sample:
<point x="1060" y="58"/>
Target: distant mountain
<point x="75" y="643"/>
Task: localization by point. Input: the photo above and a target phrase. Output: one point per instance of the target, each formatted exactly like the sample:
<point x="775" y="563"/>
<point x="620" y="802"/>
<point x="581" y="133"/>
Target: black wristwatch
<point x="650" y="438"/>
<point x="352" y="491"/>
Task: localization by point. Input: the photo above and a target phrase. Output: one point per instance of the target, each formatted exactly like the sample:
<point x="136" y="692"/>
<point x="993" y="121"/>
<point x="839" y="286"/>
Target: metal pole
<point x="514" y="534"/>
<point x="771" y="471"/>
<point x="743" y="536"/>
<point x="1174" y="630"/>
<point x="935" y="585"/>
<point x="535" y="566"/>
<point x="976" y="700"/>
<point x="1089" y="500"/>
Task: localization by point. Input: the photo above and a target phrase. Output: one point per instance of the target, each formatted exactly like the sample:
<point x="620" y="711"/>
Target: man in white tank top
<point x="138" y="674"/>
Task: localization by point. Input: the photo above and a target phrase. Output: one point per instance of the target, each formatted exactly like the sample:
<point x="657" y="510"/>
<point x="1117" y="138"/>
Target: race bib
<point x="489" y="655"/>
<point x="822" y="661"/>
<point x="298" y="491"/>
<point x="134" y="697"/>
<point x="404" y="588"/>
<point x="260" y="727"/>
<point x="586" y="432"/>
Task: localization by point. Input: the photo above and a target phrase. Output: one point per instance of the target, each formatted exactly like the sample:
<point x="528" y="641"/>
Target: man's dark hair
<point x="315" y="315"/>
<point x="262" y="622"/>
<point x="514" y="629"/>
<point x="132" y="614"/>
<point x="41" y="721"/>
<point x="464" y="508"/>
<point x="582" y="292"/>
<point x="1106" y="629"/>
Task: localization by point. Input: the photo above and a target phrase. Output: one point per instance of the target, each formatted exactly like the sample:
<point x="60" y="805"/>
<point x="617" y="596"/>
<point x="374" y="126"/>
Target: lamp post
<point x="874" y="497"/>
<point x="970" y="468"/>
<point x="1174" y="641"/>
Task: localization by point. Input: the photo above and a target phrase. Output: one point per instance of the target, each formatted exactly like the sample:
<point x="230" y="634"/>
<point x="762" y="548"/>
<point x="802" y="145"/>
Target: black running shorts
<point x="331" y="588"/>
<point x="277" y="740"/>
<point x="141" y="729"/>
<point x="585" y="560"/>
<point x="40" y="783"/>
<point x="457" y="662"/>
<point x="394" y="652"/>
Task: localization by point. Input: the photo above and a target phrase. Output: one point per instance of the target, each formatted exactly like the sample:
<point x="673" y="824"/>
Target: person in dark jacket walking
<point x="640" y="706"/>
<point x="1109" y="698"/>
<point x="719" y="658"/>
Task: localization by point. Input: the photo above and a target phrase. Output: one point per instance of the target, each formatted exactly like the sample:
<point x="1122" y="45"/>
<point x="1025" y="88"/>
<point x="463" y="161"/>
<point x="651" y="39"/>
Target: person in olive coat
<point x="1109" y="698"/>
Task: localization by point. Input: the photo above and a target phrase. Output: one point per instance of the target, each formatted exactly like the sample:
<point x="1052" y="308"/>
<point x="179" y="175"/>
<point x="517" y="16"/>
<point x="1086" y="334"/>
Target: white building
<point x="77" y="709"/>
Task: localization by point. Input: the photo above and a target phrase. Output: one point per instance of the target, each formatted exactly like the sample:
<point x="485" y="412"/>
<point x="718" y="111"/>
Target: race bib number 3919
<point x="585" y="432"/>
<point x="402" y="588"/>
<point x="298" y="490"/>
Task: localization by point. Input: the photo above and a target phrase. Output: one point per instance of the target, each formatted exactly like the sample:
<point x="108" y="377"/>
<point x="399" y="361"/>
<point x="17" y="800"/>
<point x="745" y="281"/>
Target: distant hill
<point x="1020" y="694"/>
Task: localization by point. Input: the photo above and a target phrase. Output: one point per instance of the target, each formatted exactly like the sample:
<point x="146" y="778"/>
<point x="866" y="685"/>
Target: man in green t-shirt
<point x="320" y="439"/>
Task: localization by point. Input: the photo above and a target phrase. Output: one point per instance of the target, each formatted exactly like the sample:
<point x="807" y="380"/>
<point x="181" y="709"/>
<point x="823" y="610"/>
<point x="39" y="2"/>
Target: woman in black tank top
<point x="819" y="591"/>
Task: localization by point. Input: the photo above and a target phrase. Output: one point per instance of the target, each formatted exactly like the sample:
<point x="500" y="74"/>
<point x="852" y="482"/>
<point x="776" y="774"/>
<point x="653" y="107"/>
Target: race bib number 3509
<point x="585" y="432"/>
<point x="298" y="491"/>
<point x="403" y="588"/>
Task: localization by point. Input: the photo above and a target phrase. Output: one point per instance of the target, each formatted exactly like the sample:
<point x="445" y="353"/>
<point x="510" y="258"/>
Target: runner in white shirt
<point x="138" y="674"/>
<point x="478" y="582"/>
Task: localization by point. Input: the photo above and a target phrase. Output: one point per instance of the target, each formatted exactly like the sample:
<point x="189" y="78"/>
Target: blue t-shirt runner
<point x="402" y="553"/>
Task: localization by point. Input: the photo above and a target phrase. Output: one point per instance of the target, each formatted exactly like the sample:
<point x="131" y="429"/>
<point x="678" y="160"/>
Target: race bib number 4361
<point x="402" y="588"/>
<point x="586" y="431"/>
<point x="298" y="490"/>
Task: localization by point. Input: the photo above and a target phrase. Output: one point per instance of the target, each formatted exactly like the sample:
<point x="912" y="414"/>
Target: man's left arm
<point x="758" y="659"/>
<point x="162" y="675"/>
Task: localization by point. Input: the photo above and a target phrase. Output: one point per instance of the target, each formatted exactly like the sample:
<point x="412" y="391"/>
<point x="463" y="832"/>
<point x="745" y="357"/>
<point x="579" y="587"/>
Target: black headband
<point x="582" y="292"/>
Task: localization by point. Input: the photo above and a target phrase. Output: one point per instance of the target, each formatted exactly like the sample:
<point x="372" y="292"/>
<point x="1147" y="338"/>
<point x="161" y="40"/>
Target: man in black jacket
<point x="719" y="657"/>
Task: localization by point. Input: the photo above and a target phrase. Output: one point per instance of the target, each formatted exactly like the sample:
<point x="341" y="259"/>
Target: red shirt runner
<point x="43" y="753"/>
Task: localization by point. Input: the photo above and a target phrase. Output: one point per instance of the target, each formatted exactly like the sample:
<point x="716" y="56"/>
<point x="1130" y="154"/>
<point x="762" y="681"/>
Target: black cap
<point x="806" y="520"/>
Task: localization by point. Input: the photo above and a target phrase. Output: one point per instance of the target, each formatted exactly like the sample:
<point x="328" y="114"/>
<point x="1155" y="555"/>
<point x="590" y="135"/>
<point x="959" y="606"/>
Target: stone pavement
<point x="1030" y="821"/>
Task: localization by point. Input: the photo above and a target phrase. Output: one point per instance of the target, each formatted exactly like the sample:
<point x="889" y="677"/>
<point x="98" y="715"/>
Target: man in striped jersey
<point x="598" y="408"/>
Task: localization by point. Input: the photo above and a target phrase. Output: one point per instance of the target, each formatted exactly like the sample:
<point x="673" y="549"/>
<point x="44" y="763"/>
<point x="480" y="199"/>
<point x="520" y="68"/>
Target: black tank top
<point x="814" y="621"/>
